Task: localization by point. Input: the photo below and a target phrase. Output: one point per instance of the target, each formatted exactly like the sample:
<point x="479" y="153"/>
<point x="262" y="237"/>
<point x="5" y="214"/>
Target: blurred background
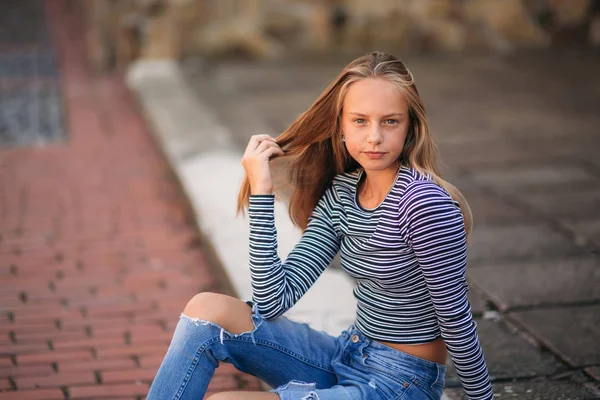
<point x="121" y="127"/>
<point x="121" y="31"/>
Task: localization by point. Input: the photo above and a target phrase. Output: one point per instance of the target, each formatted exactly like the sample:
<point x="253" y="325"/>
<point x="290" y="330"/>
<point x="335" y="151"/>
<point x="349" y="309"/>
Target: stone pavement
<point x="99" y="250"/>
<point x="518" y="135"/>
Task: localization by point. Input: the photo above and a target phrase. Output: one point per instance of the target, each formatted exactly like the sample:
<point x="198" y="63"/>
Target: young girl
<point x="365" y="183"/>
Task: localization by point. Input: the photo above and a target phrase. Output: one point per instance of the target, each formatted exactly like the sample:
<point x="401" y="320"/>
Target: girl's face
<point x="375" y="123"/>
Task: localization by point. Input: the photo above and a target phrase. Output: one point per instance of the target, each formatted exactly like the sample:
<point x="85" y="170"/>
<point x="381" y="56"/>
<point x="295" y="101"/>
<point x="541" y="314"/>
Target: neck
<point x="377" y="183"/>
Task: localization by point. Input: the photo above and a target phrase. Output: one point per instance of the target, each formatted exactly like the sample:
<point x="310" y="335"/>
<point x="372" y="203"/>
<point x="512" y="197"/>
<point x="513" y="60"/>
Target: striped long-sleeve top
<point x="408" y="257"/>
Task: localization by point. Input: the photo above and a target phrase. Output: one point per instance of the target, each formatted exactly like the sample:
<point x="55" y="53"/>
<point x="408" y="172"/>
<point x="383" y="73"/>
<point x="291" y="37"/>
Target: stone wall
<point x="120" y="31"/>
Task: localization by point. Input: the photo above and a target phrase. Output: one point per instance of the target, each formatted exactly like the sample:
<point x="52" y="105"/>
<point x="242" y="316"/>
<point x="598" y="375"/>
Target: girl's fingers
<point x="271" y="151"/>
<point x="266" y="144"/>
<point x="260" y="150"/>
<point x="255" y="140"/>
<point x="262" y="146"/>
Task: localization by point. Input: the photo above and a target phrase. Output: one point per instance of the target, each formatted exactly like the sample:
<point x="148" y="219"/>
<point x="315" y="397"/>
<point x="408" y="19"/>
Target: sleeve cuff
<point x="261" y="202"/>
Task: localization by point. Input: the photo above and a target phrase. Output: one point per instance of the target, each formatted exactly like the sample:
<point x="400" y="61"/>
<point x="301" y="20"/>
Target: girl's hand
<point x="256" y="163"/>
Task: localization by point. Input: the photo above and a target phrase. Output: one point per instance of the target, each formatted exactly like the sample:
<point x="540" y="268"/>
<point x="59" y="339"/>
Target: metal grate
<point x="31" y="104"/>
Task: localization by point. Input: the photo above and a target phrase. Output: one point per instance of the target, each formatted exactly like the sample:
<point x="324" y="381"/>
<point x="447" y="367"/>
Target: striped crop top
<point x="408" y="257"/>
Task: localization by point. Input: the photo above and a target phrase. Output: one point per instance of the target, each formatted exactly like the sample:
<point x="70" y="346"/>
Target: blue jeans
<point x="300" y="362"/>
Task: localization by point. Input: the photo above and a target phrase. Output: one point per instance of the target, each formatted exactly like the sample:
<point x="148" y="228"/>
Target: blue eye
<point x="359" y="120"/>
<point x="391" y="121"/>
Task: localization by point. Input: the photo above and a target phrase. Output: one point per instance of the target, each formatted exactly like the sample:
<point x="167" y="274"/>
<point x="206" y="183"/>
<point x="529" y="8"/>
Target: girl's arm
<point x="277" y="286"/>
<point x="433" y="226"/>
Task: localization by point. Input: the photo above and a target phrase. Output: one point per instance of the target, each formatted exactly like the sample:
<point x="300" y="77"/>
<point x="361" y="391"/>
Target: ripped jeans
<point x="300" y="362"/>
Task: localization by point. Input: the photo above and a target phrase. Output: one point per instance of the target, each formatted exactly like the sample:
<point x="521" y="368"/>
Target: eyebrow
<point x="384" y="116"/>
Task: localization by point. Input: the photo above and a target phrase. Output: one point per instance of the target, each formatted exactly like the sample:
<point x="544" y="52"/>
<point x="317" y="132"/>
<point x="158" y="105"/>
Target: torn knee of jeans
<point x="256" y="321"/>
<point x="299" y="386"/>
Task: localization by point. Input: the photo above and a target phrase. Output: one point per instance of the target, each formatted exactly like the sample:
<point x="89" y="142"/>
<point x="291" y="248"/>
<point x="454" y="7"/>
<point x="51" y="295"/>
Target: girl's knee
<point x="228" y="312"/>
<point x="200" y="303"/>
<point x="222" y="396"/>
<point x="218" y="396"/>
<point x="208" y="306"/>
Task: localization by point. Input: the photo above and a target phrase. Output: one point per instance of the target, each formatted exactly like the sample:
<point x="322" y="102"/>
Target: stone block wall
<point x="120" y="31"/>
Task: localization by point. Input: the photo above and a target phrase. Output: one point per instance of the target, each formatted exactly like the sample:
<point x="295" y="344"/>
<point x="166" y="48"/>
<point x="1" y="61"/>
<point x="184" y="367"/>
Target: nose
<point x="375" y="136"/>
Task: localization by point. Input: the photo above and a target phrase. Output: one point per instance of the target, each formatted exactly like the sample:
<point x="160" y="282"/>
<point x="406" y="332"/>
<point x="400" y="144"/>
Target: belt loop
<point x="365" y="342"/>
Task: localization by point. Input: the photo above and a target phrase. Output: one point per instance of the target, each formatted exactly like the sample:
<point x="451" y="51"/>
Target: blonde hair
<point x="315" y="153"/>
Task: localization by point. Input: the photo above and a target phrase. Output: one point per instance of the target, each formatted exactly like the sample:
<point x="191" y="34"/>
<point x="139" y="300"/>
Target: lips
<point x="374" y="154"/>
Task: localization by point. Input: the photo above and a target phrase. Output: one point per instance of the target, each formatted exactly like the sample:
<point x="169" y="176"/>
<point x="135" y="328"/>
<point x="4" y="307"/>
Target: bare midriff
<point x="434" y="351"/>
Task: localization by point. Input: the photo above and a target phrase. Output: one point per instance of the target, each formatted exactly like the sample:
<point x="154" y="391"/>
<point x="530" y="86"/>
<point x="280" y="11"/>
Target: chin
<point x="371" y="165"/>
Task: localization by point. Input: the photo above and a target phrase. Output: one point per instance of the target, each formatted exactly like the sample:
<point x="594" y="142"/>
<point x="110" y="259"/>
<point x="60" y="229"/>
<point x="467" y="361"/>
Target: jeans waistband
<point x="430" y="371"/>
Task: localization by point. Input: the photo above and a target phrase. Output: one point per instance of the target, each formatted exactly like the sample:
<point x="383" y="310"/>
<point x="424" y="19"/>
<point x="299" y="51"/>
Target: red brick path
<point x="98" y="248"/>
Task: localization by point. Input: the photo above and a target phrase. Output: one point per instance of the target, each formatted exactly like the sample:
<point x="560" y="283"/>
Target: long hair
<point x="315" y="153"/>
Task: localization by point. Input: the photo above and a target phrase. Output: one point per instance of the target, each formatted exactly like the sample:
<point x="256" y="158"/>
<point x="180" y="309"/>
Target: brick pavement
<point x="98" y="247"/>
